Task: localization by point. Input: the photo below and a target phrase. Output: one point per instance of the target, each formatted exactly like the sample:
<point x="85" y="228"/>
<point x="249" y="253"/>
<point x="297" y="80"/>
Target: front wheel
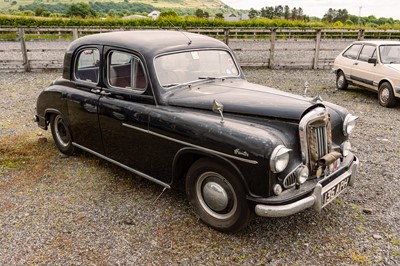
<point x="385" y="95"/>
<point x="217" y="196"/>
<point x="341" y="81"/>
<point x="61" y="134"/>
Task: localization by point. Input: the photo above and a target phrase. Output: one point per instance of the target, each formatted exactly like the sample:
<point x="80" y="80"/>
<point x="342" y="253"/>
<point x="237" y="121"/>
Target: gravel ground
<point x="80" y="210"/>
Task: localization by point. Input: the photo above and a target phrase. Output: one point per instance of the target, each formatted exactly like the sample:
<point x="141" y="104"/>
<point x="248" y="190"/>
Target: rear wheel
<point x="217" y="196"/>
<point x="385" y="95"/>
<point x="341" y="81"/>
<point x="61" y="134"/>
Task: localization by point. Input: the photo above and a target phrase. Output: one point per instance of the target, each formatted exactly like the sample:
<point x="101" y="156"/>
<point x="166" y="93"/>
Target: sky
<point x="317" y="8"/>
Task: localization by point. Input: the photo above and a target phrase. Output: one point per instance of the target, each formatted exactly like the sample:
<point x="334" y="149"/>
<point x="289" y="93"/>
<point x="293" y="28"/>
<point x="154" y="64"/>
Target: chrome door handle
<point x="97" y="91"/>
<point x="105" y="93"/>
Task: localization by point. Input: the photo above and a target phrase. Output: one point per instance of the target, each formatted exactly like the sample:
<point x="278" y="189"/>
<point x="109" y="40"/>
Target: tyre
<point x="341" y="82"/>
<point x="61" y="134"/>
<point x="385" y="95"/>
<point x="217" y="196"/>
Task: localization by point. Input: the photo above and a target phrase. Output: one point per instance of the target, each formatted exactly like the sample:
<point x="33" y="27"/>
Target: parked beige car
<point x="373" y="65"/>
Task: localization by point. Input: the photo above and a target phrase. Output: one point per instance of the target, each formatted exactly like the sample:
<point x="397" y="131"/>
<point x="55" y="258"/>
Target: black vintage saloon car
<point x="171" y="106"/>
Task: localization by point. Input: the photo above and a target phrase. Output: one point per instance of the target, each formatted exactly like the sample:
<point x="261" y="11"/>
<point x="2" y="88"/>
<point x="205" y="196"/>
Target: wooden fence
<point x="255" y="47"/>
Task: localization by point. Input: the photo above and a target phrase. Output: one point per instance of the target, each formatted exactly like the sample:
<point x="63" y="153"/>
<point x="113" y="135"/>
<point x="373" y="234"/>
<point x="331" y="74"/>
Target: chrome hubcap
<point x="215" y="196"/>
<point x="384" y="95"/>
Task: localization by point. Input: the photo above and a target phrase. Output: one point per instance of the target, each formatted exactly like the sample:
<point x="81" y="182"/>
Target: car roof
<point x="376" y="42"/>
<point x="150" y="42"/>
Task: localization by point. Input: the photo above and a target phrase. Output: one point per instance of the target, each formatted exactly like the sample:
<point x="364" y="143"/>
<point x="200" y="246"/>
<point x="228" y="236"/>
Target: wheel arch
<point x="185" y="158"/>
<point x="383" y="81"/>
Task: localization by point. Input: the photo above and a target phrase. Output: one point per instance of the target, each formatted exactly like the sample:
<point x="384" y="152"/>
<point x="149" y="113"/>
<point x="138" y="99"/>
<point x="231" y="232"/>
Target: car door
<point x="124" y="113"/>
<point x="83" y="99"/>
<point x="349" y="59"/>
<point x="364" y="73"/>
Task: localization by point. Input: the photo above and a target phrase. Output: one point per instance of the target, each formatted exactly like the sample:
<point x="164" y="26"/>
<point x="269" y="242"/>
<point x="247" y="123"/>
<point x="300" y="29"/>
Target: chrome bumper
<point x="315" y="200"/>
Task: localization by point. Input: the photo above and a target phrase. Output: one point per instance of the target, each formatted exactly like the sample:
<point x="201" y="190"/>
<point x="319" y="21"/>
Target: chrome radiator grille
<point x="315" y="137"/>
<point x="321" y="139"/>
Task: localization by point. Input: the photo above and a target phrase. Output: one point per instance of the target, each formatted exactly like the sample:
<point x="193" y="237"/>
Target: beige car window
<point x="352" y="52"/>
<point x="367" y="52"/>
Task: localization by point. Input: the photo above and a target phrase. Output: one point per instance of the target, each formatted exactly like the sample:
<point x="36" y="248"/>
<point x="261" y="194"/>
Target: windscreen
<point x="185" y="67"/>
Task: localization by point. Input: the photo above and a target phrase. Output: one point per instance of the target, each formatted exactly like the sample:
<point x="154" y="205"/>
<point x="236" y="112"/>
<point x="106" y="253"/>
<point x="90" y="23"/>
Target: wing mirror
<point x="372" y="61"/>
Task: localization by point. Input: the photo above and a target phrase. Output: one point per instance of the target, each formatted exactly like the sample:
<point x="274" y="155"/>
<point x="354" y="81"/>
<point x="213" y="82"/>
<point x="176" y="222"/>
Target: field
<point x="156" y="3"/>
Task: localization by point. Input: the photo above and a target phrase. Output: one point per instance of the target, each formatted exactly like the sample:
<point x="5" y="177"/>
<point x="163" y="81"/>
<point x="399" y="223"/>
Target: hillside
<point x="159" y="4"/>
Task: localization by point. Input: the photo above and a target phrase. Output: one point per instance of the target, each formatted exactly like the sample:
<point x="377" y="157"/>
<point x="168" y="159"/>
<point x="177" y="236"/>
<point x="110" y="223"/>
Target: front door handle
<point x="97" y="91"/>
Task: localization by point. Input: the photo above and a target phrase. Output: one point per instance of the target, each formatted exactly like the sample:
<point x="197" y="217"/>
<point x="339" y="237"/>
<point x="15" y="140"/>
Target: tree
<point x="278" y="11"/>
<point x="334" y="15"/>
<point x="286" y="12"/>
<point x="82" y="10"/>
<point x="168" y="14"/>
<point x="253" y="13"/>
<point x="219" y="16"/>
<point x="294" y="13"/>
<point x="201" y="14"/>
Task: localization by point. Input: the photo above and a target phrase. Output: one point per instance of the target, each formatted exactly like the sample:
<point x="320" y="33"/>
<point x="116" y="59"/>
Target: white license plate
<point x="333" y="192"/>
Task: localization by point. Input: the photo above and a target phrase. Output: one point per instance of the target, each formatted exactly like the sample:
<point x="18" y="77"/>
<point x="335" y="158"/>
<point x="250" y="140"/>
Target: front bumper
<point x="320" y="197"/>
<point x="41" y="121"/>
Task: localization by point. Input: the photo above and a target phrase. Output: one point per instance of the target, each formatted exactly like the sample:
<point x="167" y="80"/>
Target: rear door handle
<point x="105" y="93"/>
<point x="97" y="91"/>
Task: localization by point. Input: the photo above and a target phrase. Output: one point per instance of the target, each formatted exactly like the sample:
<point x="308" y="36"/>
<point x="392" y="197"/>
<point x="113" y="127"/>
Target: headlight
<point x="349" y="124"/>
<point x="279" y="159"/>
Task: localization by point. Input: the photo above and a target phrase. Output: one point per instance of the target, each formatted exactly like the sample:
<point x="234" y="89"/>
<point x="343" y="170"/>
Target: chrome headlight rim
<point x="349" y="124"/>
<point x="279" y="159"/>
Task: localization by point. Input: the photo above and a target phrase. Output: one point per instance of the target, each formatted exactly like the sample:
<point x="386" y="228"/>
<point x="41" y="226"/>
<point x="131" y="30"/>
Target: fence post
<point x="317" y="48"/>
<point x="360" y="35"/>
<point x="25" y="61"/>
<point x="226" y="36"/>
<point x="272" y="49"/>
<point x="75" y="33"/>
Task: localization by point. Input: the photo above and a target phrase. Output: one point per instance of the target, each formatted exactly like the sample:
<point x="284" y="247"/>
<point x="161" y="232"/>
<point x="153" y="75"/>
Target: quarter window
<point x="352" y="52"/>
<point x="126" y="71"/>
<point x="87" y="65"/>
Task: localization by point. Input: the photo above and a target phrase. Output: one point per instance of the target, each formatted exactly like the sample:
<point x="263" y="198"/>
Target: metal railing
<point x="255" y="47"/>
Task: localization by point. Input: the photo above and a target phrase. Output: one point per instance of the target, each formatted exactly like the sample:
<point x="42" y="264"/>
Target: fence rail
<point x="255" y="47"/>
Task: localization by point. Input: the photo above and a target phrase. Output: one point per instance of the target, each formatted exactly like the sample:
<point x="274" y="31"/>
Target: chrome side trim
<point x="191" y="145"/>
<point x="123" y="166"/>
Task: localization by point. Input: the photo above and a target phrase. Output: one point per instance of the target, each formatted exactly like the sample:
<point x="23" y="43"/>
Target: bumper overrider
<point x="323" y="192"/>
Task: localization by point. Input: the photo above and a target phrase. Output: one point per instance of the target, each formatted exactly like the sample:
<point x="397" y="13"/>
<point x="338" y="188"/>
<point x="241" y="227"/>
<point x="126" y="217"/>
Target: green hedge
<point x="185" y="22"/>
<point x="180" y="22"/>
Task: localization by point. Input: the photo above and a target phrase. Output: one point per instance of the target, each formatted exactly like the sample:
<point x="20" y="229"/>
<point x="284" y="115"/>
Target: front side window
<point x="87" y="65"/>
<point x="185" y="67"/>
<point x="125" y="71"/>
<point x="390" y="54"/>
<point x="367" y="52"/>
<point x="352" y="52"/>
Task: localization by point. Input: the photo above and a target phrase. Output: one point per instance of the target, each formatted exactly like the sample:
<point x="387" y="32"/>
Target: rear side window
<point x="87" y="65"/>
<point x="367" y="52"/>
<point x="352" y="52"/>
<point x="125" y="71"/>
